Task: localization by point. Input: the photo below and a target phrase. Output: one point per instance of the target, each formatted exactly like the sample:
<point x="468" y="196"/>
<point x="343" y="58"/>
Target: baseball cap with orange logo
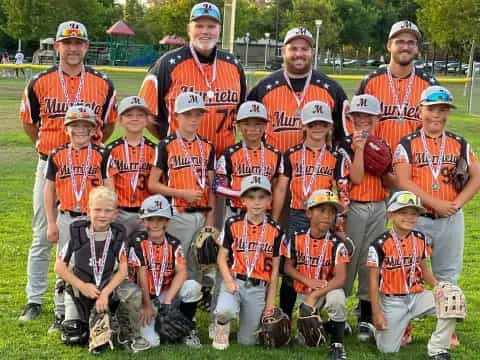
<point x="71" y="30"/>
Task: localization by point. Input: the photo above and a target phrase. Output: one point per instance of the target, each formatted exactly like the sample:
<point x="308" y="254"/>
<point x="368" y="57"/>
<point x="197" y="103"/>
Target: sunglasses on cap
<point x="324" y="197"/>
<point x="406" y="199"/>
<point x="205" y="11"/>
<point x="80" y="115"/>
<point x="72" y="32"/>
<point x="438" y="96"/>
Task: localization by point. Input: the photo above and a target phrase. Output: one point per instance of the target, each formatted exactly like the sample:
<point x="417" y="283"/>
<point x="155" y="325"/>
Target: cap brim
<point x="204" y="109"/>
<point x="395" y="207"/>
<point x="141" y="107"/>
<point x="251" y="117"/>
<point x="256" y="188"/>
<point x="91" y="122"/>
<point x="437" y="103"/>
<point x="145" y="216"/>
<point x="414" y="32"/>
<point x="205" y="16"/>
<point x="363" y="112"/>
<point x="306" y="38"/>
<point x="337" y="205"/>
<point x="309" y="121"/>
<point x="71" y="37"/>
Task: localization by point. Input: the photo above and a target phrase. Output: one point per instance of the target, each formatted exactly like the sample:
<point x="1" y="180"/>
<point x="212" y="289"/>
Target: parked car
<point x="374" y="62"/>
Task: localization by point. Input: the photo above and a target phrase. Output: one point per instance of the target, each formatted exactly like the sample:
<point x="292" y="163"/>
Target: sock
<point x="336" y="329"/>
<point x="288" y="296"/>
<point x="365" y="311"/>
<point x="189" y="309"/>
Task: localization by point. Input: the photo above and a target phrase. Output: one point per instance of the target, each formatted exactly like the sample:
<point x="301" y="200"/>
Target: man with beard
<point x="45" y="101"/>
<point x="198" y="67"/>
<point x="286" y="91"/>
<point x="398" y="86"/>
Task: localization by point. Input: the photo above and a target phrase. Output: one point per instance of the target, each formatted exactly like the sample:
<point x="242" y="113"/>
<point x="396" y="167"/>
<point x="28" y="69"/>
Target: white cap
<point x="299" y="32"/>
<point x="187" y="101"/>
<point x="79" y="113"/>
<point x="365" y="103"/>
<point x="131" y="102"/>
<point x="252" y="109"/>
<point x="255" y="182"/>
<point x="324" y="196"/>
<point x="155" y="205"/>
<point x="404" y="26"/>
<point x="404" y="199"/>
<point x="205" y="9"/>
<point x="436" y="95"/>
<point x="71" y="29"/>
<point x="316" y="111"/>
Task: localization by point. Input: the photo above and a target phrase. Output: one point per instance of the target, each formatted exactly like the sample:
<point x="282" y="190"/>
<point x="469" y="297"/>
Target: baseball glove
<point x="204" y="245"/>
<point x="377" y="157"/>
<point x="449" y="301"/>
<point x="460" y="174"/>
<point x="310" y="327"/>
<point x="274" y="329"/>
<point x="171" y="325"/>
<point x="100" y="331"/>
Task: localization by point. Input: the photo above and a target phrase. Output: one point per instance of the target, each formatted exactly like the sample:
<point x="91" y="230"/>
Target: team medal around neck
<point x="99" y="266"/>
<point x="210" y="92"/>
<point x="396" y="240"/>
<point x="263" y="170"/>
<point x="86" y="166"/>
<point x="250" y="264"/>
<point x="134" y="178"/>
<point x="308" y="259"/>
<point x="201" y="180"/>
<point x="298" y="99"/>
<point x="158" y="277"/>
<point x="400" y="106"/>
<point x="434" y="169"/>
<point x="76" y="99"/>
<point x="306" y="188"/>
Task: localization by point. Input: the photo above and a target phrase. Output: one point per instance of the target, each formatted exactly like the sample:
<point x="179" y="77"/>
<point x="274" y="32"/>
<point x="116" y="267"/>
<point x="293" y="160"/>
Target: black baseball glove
<point x="171" y="325"/>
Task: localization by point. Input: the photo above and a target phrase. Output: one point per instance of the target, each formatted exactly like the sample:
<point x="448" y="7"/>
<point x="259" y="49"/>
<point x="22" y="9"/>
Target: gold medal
<point x="435" y="186"/>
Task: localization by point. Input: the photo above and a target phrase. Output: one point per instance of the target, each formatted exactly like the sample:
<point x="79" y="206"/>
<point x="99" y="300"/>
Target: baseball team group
<point x="319" y="191"/>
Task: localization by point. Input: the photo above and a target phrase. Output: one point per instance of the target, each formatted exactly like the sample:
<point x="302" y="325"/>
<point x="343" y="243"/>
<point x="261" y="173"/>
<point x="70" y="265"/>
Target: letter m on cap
<point x="255" y="108"/>
<point x="363" y="102"/>
<point x="192" y="99"/>
<point x="256" y="180"/>
<point x="318" y="109"/>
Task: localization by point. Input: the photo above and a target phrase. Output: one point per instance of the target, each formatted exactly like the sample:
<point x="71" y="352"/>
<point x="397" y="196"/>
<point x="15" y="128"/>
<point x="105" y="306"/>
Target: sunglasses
<point x="438" y="96"/>
<point x="406" y="199"/>
<point x="205" y="11"/>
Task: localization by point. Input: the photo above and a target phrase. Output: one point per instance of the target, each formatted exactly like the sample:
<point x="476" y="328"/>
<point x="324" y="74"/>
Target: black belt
<point x="397" y="295"/>
<point x="431" y="216"/>
<point x="251" y="281"/>
<point x="43" y="156"/>
<point x="130" y="209"/>
<point x="198" y="209"/>
<point x="73" y="213"/>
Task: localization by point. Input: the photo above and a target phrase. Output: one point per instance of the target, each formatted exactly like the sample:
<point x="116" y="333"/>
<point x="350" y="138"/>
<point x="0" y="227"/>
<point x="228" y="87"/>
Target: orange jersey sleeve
<point x="44" y="103"/>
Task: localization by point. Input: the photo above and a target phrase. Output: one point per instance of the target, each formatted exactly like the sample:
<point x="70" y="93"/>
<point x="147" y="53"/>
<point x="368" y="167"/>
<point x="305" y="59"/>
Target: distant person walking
<point x="19" y="58"/>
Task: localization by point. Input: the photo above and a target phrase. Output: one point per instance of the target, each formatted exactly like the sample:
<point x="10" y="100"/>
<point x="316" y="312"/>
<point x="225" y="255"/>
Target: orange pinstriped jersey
<point x="411" y="151"/>
<point x="335" y="253"/>
<point x="284" y="129"/>
<point x="141" y="257"/>
<point x="231" y="239"/>
<point x="383" y="254"/>
<point x="371" y="188"/>
<point x="177" y="72"/>
<point x="122" y="172"/>
<point x="333" y="168"/>
<point x="58" y="171"/>
<point x="171" y="159"/>
<point x="389" y="128"/>
<point x="44" y="103"/>
<point x="234" y="165"/>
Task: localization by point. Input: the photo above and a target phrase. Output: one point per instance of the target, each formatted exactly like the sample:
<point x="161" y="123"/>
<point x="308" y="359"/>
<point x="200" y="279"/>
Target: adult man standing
<point x="44" y="104"/>
<point x="202" y="68"/>
<point x="19" y="57"/>
<point x="398" y="86"/>
<point x="286" y="91"/>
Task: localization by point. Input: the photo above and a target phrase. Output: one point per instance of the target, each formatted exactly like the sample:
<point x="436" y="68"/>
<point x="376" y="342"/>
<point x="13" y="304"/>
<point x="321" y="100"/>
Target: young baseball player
<point x="162" y="269"/>
<point x="73" y="170"/>
<point x="93" y="263"/>
<point x="129" y="160"/>
<point x="248" y="157"/>
<point x="308" y="166"/>
<point x="317" y="260"/>
<point x="398" y="268"/>
<point x="367" y="214"/>
<point x="248" y="260"/>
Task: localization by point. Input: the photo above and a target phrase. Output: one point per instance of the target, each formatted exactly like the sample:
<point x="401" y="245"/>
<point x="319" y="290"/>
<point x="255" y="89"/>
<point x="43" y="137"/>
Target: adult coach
<point x="44" y="104"/>
<point x="199" y="67"/>
<point x="399" y="85"/>
<point x="286" y="91"/>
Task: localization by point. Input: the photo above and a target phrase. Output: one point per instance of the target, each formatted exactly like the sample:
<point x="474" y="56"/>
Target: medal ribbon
<point x="320" y="258"/>
<point x="78" y="193"/>
<point x="300" y="99"/>
<point x="200" y="68"/>
<point x="201" y="181"/>
<point x="250" y="265"/>
<point x="134" y="178"/>
<point x="413" y="265"/>
<point x="400" y="106"/>
<point x="435" y="169"/>
<point x="64" y="86"/>
<point x="318" y="162"/>
<point x="262" y="157"/>
<point x="158" y="277"/>
<point x="98" y="267"/>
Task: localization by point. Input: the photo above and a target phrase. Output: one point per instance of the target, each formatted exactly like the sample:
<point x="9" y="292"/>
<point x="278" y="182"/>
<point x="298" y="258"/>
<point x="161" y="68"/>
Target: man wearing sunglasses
<point x="398" y="86"/>
<point x="198" y="67"/>
<point x="45" y="101"/>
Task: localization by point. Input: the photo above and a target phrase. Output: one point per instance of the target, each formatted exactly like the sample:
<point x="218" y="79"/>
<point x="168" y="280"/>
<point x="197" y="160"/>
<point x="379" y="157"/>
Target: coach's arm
<point x="31" y="130"/>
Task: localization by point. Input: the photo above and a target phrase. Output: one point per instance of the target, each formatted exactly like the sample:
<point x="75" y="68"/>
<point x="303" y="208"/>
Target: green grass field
<point x="30" y="341"/>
